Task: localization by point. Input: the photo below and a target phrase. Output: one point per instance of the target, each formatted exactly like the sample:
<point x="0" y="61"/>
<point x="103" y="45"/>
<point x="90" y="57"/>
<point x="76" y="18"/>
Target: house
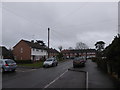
<point x="79" y="52"/>
<point x="30" y="50"/>
<point x="53" y="52"/>
<point x="5" y="53"/>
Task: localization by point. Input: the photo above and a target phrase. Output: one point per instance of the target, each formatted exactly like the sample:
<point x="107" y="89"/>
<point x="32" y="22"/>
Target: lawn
<point x="35" y="64"/>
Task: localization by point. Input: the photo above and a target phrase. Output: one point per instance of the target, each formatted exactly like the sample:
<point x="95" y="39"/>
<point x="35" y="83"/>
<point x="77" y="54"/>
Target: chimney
<point x="32" y="41"/>
<point x="40" y="42"/>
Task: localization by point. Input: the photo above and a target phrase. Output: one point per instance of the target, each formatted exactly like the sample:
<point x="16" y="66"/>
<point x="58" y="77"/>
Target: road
<point x="44" y="77"/>
<point x="59" y="77"/>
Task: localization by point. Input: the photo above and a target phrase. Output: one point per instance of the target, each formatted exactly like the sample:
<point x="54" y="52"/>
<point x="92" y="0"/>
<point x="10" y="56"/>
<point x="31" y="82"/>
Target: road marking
<point x="28" y="70"/>
<point x="55" y="80"/>
<point x="86" y="80"/>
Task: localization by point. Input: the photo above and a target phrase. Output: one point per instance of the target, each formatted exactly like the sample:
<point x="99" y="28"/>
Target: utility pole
<point x="48" y="41"/>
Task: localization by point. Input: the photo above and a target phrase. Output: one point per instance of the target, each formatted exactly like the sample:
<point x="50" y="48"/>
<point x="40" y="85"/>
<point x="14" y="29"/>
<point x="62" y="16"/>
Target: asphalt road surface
<point x="45" y="77"/>
<point x="59" y="77"/>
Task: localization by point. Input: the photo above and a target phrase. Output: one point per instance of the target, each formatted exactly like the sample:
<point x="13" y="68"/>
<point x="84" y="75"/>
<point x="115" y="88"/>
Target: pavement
<point x="96" y="77"/>
<point x="59" y="77"/>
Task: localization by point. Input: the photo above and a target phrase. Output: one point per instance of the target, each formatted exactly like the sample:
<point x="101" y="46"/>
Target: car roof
<point x="5" y="59"/>
<point x="79" y="58"/>
<point x="50" y="58"/>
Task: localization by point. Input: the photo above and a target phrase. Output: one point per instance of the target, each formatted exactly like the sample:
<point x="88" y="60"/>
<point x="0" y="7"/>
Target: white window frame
<point x="21" y="50"/>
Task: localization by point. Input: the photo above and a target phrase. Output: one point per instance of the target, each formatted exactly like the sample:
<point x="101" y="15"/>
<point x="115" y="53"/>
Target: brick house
<point x="53" y="52"/>
<point x="75" y="52"/>
<point x="30" y="50"/>
<point x="5" y="53"/>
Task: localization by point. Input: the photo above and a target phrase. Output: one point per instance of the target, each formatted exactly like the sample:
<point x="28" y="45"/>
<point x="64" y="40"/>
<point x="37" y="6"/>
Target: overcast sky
<point x="69" y="22"/>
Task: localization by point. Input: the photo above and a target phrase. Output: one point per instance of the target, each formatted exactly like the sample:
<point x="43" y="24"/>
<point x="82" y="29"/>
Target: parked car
<point x="7" y="65"/>
<point x="79" y="61"/>
<point x="50" y="62"/>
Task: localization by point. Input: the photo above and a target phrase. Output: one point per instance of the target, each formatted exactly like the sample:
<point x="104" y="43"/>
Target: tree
<point x="60" y="48"/>
<point x="100" y="46"/>
<point x="40" y="42"/>
<point x="112" y="53"/>
<point x="70" y="48"/>
<point x="81" y="45"/>
<point x="60" y="55"/>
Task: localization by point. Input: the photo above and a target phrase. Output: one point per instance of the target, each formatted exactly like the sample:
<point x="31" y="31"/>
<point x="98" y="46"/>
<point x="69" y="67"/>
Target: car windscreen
<point x="9" y="61"/>
<point x="78" y="59"/>
<point x="49" y="60"/>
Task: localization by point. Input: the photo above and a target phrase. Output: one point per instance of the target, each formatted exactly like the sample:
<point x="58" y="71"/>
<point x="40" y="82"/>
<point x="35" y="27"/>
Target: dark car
<point x="79" y="61"/>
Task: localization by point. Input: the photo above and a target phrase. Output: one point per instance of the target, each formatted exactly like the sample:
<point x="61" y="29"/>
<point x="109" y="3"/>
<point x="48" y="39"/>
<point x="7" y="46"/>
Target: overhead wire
<point x="54" y="30"/>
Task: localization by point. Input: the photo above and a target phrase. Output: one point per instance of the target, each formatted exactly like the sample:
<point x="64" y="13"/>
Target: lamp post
<point x="48" y="41"/>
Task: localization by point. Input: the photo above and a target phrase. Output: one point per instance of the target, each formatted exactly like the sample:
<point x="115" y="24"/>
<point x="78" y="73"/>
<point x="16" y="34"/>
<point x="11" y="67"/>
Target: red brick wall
<point x="25" y="55"/>
<point x="53" y="54"/>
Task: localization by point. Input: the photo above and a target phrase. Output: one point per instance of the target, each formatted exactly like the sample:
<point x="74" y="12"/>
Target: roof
<point x="35" y="45"/>
<point x="3" y="50"/>
<point x="51" y="50"/>
<point x="78" y="50"/>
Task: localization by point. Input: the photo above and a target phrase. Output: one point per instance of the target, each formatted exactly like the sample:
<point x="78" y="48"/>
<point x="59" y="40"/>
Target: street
<point x="58" y="77"/>
<point x="40" y="39"/>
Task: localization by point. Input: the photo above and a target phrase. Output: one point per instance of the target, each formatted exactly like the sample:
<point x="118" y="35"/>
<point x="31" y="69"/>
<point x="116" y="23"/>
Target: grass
<point x="35" y="64"/>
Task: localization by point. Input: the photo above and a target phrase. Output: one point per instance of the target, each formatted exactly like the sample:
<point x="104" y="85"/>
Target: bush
<point x="94" y="59"/>
<point x="112" y="53"/>
<point x="60" y="56"/>
<point x="23" y="61"/>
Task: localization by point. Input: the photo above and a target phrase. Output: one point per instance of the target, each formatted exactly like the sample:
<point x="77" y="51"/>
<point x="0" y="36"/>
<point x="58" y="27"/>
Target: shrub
<point x="94" y="59"/>
<point x="23" y="61"/>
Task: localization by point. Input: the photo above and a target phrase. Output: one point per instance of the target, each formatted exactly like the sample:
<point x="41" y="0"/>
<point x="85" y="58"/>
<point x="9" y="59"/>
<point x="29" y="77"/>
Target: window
<point x="37" y="49"/>
<point x="21" y="58"/>
<point x="21" y="50"/>
<point x="33" y="49"/>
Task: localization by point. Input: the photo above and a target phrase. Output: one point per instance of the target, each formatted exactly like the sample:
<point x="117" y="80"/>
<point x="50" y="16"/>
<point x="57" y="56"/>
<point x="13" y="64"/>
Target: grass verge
<point x="35" y="64"/>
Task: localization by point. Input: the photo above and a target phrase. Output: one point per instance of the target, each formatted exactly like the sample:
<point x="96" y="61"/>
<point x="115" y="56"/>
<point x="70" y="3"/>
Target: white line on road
<point x="55" y="80"/>
<point x="86" y="80"/>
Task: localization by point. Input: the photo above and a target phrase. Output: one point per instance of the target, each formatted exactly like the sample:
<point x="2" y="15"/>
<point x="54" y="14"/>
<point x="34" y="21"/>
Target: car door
<point x="55" y="61"/>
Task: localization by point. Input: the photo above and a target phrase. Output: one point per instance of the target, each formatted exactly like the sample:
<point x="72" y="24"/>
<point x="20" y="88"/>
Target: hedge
<point x="23" y="61"/>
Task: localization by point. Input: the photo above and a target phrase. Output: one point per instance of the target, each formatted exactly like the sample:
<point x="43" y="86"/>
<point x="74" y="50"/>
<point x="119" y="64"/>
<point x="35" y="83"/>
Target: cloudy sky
<point x="69" y="22"/>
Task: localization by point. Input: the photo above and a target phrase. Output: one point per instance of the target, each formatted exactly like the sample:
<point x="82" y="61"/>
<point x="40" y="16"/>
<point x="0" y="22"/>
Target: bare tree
<point x="81" y="45"/>
<point x="60" y="48"/>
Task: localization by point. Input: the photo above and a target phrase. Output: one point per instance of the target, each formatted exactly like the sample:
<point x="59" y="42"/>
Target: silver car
<point x="7" y="65"/>
<point x="50" y="62"/>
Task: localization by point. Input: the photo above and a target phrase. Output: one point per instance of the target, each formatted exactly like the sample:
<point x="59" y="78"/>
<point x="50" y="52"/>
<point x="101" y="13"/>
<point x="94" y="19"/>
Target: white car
<point x="50" y="62"/>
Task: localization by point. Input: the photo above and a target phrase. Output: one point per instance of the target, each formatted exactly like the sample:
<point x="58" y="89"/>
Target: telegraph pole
<point x="48" y="41"/>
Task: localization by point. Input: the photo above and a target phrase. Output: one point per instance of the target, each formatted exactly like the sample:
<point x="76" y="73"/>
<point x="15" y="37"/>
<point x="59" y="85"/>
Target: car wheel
<point x="74" y="66"/>
<point x="83" y="65"/>
<point x="56" y="64"/>
<point x="53" y="64"/>
<point x="43" y="66"/>
<point x="13" y="70"/>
